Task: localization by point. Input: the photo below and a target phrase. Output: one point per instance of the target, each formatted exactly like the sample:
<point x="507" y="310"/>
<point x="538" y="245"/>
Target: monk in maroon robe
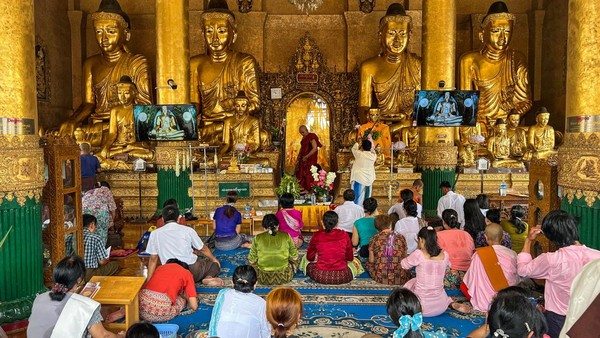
<point x="309" y="147"/>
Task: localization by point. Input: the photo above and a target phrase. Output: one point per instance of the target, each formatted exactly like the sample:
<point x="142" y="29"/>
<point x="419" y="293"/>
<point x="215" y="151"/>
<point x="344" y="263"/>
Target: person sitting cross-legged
<point x="364" y="228"/>
<point x="492" y="268"/>
<point x="273" y="254"/>
<point x="386" y="250"/>
<point x="182" y="242"/>
<point x="96" y="258"/>
<point x="290" y="219"/>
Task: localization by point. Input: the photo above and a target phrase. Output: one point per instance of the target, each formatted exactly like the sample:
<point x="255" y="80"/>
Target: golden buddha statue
<point x="410" y="137"/>
<point x="499" y="147"/>
<point x="517" y="135"/>
<point x="540" y="138"/>
<point x="394" y="75"/>
<point x="380" y="132"/>
<point x="499" y="72"/>
<point x="381" y="163"/>
<point x="467" y="144"/>
<point x="217" y="76"/>
<point x="121" y="134"/>
<point x="102" y="72"/>
<point x="242" y="128"/>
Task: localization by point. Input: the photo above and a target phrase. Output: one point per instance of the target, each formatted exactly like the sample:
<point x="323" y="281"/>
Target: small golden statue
<point x="499" y="72"/>
<point x="394" y="75"/>
<point x="380" y="162"/>
<point x="217" y="76"/>
<point x="242" y="128"/>
<point x="121" y="134"/>
<point x="410" y="137"/>
<point x="540" y="138"/>
<point x="467" y="139"/>
<point x="517" y="135"/>
<point x="102" y="72"/>
<point x="379" y="131"/>
<point x="499" y="147"/>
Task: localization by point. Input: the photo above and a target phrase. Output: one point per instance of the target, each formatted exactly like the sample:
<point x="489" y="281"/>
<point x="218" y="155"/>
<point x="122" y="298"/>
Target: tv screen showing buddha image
<point x="454" y="108"/>
<point x="165" y="122"/>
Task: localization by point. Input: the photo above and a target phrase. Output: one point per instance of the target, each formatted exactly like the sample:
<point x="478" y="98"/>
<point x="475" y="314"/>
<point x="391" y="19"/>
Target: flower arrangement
<point x="242" y="151"/>
<point x="477" y="139"/>
<point x="289" y="184"/>
<point x="323" y="183"/>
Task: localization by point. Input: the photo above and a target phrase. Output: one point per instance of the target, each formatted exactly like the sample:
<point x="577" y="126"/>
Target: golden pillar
<point x="579" y="159"/>
<point x="437" y="155"/>
<point x="22" y="165"/>
<point x="172" y="63"/>
<point x="172" y="51"/>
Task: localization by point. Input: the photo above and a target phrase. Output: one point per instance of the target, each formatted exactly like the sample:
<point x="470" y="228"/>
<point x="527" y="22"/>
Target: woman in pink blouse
<point x="431" y="263"/>
<point x="290" y="219"/>
<point x="558" y="268"/>
<point x="459" y="245"/>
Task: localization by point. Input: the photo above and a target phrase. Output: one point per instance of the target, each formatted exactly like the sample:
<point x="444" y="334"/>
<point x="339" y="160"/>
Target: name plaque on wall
<point x="583" y="124"/>
<point x="242" y="188"/>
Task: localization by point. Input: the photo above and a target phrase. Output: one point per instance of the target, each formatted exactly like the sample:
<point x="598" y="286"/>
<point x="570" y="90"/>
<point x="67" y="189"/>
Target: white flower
<point x="477" y="138"/>
<point x="399" y="145"/>
<point x="315" y="176"/>
<point x="240" y="147"/>
<point x="330" y="177"/>
<point x="357" y="126"/>
<point x="313" y="169"/>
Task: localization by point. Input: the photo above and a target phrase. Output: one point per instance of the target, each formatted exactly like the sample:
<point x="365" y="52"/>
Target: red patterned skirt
<point x="158" y="307"/>
<point x="329" y="277"/>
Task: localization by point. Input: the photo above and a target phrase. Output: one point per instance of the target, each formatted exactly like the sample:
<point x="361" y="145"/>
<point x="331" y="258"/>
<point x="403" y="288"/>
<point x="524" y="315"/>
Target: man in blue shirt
<point x="89" y="166"/>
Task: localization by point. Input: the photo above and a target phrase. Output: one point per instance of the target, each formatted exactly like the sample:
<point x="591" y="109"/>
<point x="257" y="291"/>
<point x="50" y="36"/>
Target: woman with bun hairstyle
<point x="284" y="311"/>
<point x="431" y="263"/>
<point x="273" y="254"/>
<point x="239" y="313"/>
<point x="460" y="247"/>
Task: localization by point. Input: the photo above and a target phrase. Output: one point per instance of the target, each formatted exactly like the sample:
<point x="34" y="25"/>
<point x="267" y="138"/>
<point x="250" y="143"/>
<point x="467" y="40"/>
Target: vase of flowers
<point x="289" y="184"/>
<point x="323" y="183"/>
<point x="242" y="153"/>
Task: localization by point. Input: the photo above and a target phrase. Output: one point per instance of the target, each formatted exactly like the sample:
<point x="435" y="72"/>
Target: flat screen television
<point x="446" y="108"/>
<point x="171" y="122"/>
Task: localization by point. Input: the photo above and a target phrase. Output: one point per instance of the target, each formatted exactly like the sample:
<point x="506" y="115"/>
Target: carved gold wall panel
<point x="579" y="161"/>
<point x="437" y="157"/>
<point x="21" y="168"/>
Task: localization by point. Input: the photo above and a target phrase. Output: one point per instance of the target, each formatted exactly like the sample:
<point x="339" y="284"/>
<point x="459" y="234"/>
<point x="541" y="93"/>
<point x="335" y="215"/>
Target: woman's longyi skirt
<point x="158" y="307"/>
<point x="276" y="277"/>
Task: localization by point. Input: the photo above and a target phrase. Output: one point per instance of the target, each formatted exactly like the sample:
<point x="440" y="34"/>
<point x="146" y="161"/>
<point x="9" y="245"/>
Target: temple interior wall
<point x="345" y="36"/>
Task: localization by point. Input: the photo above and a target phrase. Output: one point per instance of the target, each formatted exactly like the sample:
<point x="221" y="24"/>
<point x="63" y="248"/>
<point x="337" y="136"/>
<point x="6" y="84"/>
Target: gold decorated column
<point x="579" y="159"/>
<point x="437" y="155"/>
<point x="172" y="63"/>
<point x="172" y="51"/>
<point x="22" y="165"/>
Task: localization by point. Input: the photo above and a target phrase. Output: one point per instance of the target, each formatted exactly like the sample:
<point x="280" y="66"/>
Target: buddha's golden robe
<point x="518" y="142"/>
<point x="396" y="96"/>
<point x="499" y="147"/>
<point x="239" y="72"/>
<point x="104" y="90"/>
<point x="384" y="140"/>
<point x="508" y="89"/>
<point x="541" y="138"/>
<point x="245" y="130"/>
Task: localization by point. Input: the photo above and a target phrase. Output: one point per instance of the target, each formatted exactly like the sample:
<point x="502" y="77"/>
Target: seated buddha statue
<point x="242" y="128"/>
<point x="467" y="147"/>
<point x="499" y="72"/>
<point x="410" y="137"/>
<point x="517" y="135"/>
<point x="121" y="134"/>
<point x="102" y="72"/>
<point x="393" y="75"/>
<point x="217" y="76"/>
<point x="379" y="131"/>
<point x="499" y="147"/>
<point x="540" y="138"/>
<point x="165" y="127"/>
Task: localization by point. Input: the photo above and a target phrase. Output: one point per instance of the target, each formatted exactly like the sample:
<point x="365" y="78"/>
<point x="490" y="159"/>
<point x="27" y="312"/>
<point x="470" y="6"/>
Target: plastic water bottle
<point x="313" y="199"/>
<point x="247" y="211"/>
<point x="502" y="190"/>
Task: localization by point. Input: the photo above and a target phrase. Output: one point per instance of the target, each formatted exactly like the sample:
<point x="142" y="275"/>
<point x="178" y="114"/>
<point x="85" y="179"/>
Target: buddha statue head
<point x="241" y="103"/>
<point x="126" y="90"/>
<point x="218" y="27"/>
<point x="111" y="27"/>
<point x="513" y="119"/>
<point x="542" y="116"/>
<point x="500" y="128"/>
<point x="496" y="27"/>
<point x="394" y="30"/>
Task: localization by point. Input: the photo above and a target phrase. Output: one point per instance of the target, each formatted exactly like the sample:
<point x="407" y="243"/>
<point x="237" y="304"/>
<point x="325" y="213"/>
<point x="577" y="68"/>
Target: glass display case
<point x="62" y="223"/>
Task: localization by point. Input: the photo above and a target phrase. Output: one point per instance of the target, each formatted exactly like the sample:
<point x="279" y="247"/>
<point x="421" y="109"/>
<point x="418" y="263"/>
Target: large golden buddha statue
<point x="102" y="72"/>
<point x="540" y="138"/>
<point x="393" y="75"/>
<point x="218" y="75"/>
<point x="121" y="134"/>
<point x="497" y="71"/>
<point x="242" y="128"/>
<point x="499" y="147"/>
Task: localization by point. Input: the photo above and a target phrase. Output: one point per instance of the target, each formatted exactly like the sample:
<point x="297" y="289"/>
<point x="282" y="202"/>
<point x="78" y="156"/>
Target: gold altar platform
<point x="125" y="186"/>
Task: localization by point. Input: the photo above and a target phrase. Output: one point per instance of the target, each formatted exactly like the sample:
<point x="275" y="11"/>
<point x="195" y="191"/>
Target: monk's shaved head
<point x="494" y="233"/>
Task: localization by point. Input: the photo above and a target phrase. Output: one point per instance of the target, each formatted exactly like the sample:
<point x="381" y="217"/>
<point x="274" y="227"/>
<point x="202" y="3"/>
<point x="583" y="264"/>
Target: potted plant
<point x="276" y="136"/>
<point x="289" y="184"/>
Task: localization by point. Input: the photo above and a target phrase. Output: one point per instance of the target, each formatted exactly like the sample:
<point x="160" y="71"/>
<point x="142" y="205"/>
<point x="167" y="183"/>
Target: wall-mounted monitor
<point x="173" y="122"/>
<point x="446" y="108"/>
